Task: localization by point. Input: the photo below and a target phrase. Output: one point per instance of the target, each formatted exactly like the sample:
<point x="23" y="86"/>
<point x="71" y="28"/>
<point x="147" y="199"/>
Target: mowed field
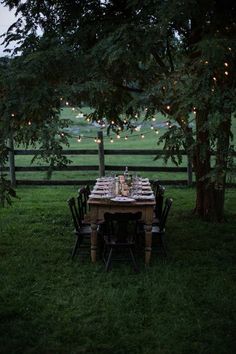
<point x="151" y="131"/>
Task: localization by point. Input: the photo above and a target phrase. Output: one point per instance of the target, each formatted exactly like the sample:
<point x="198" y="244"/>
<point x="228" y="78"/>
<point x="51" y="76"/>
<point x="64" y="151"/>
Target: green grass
<point x="134" y="142"/>
<point x="49" y="304"/>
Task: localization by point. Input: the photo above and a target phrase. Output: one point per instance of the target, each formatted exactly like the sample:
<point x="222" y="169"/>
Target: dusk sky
<point x="6" y="19"/>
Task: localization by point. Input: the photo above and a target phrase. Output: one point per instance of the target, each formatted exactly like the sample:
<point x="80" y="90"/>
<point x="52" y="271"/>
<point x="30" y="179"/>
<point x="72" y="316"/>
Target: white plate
<point x="97" y="196"/>
<point x="122" y="199"/>
<point x="144" y="197"/>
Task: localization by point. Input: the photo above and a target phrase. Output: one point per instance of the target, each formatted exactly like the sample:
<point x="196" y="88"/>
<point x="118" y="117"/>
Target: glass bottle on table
<point x="126" y="173"/>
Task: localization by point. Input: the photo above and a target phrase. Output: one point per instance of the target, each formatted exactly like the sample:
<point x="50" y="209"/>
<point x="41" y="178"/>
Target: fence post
<point x="101" y="154"/>
<point x="189" y="170"/>
<point x="12" y="171"/>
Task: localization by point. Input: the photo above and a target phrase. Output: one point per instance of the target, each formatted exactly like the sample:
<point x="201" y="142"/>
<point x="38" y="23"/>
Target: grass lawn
<point x="50" y="304"/>
<point x="134" y="142"/>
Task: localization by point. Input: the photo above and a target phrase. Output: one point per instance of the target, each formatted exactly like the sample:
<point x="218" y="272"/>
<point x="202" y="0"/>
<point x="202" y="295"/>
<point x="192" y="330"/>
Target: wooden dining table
<point x="99" y="206"/>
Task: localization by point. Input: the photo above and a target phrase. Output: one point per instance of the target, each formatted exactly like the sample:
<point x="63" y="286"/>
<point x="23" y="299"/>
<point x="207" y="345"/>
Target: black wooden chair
<point x="120" y="233"/>
<point x="82" y="199"/>
<point x="158" y="230"/>
<point x="82" y="232"/>
<point x="159" y="192"/>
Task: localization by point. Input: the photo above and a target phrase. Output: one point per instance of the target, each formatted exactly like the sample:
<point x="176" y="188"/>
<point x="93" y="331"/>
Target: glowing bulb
<point x="67" y="103"/>
<point x="73" y="108"/>
<point x="226" y="64"/>
<point x="118" y="136"/>
<point x="142" y="136"/>
<point x="156" y="131"/>
<point x="214" y="78"/>
<point x="125" y="121"/>
<point x="62" y="134"/>
<point x="126" y="137"/>
<point x="152" y="127"/>
<point x="206" y="62"/>
<point x="153" y="119"/>
<point x="226" y="73"/>
<point x="79" y="139"/>
<point x="168" y="107"/>
<point x="111" y="140"/>
<point x="13" y="115"/>
<point x="95" y="140"/>
<point x="61" y="98"/>
<point x="99" y="141"/>
<point x="112" y="122"/>
<point x="29" y="122"/>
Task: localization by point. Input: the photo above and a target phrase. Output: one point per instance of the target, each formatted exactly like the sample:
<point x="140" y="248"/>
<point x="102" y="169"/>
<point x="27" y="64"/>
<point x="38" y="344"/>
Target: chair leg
<point x="163" y="246"/>
<point x="76" y="246"/>
<point x="133" y="259"/>
<point x="108" y="263"/>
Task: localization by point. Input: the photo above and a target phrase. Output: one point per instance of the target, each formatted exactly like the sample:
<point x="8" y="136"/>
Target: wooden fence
<point x="101" y="167"/>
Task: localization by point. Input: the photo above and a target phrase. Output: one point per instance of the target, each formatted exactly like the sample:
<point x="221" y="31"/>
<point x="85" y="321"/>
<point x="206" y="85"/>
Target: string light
<point x="206" y="62"/>
<point x="168" y="107"/>
<point x="126" y="137"/>
<point x="111" y="140"/>
<point x="226" y="73"/>
<point x="214" y="78"/>
<point x="153" y="119"/>
<point x="29" y="122"/>
<point x="142" y="136"/>
<point x="226" y="64"/>
<point x="13" y="115"/>
<point x="118" y="136"/>
<point x="156" y="131"/>
<point x="67" y="103"/>
<point x="95" y="140"/>
<point x="79" y="139"/>
<point x="152" y="127"/>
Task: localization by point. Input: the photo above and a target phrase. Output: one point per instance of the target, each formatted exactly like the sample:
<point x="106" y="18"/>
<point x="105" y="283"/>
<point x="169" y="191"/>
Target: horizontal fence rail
<point x="101" y="167"/>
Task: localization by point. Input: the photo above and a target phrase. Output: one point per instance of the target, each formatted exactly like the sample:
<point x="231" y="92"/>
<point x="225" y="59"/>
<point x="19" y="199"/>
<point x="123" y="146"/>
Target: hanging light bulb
<point x="13" y="115"/>
<point x="111" y="140"/>
<point x="153" y="119"/>
<point x="67" y="103"/>
<point x="99" y="141"/>
<point x="226" y="73"/>
<point x="73" y="108"/>
<point x="95" y="140"/>
<point x="152" y="127"/>
<point x="112" y="122"/>
<point x="29" y="122"/>
<point x="126" y="137"/>
<point x="226" y="64"/>
<point x="79" y="139"/>
<point x="118" y="136"/>
<point x="142" y="136"/>
<point x="168" y="107"/>
<point x="156" y="131"/>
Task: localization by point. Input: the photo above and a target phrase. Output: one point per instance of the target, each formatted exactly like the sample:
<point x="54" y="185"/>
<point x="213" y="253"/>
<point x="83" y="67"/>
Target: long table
<point x="98" y="207"/>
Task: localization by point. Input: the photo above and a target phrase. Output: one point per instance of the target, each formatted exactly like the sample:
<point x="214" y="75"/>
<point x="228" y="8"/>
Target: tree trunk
<point x="202" y="164"/>
<point x="222" y="153"/>
<point x="210" y="187"/>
